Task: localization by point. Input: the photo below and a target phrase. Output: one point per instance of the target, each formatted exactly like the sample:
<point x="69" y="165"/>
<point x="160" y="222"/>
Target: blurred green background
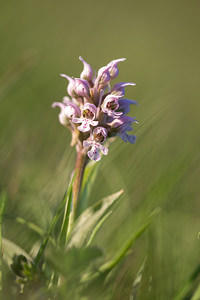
<point x="160" y="39"/>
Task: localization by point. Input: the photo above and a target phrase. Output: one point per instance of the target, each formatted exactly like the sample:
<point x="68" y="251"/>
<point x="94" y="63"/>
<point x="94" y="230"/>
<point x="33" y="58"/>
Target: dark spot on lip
<point x="88" y="114"/>
<point x="111" y="105"/>
<point x="99" y="137"/>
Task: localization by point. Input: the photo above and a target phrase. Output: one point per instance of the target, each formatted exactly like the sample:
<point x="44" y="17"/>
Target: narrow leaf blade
<point x="89" y="177"/>
<point x="85" y="224"/>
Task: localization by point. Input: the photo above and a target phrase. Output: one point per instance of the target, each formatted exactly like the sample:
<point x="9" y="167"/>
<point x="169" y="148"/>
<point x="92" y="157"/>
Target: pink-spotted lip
<point x="94" y="152"/>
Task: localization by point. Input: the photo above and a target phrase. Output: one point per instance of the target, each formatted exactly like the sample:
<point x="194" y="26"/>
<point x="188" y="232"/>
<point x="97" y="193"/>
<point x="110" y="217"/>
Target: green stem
<point x="81" y="160"/>
<point x="79" y="171"/>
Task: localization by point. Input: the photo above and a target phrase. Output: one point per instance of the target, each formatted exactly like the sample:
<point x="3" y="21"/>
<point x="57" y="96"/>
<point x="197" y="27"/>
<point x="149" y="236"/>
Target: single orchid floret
<point x="118" y="88"/>
<point x="63" y="119"/>
<point x="72" y="110"/>
<point x="120" y="127"/>
<point x="71" y="85"/>
<point x="68" y="110"/>
<point x="110" y="105"/>
<point x="124" y="105"/>
<point x="113" y="67"/>
<point x="81" y="88"/>
<point x="87" y="72"/>
<point x="77" y="87"/>
<point x="87" y="117"/>
<point x="103" y="78"/>
<point x="98" y="137"/>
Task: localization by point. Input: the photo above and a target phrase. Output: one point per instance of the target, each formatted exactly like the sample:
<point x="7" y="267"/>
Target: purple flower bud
<point x="82" y="88"/>
<point x="68" y="111"/>
<point x="98" y="137"/>
<point x="110" y="105"/>
<point x="77" y="87"/>
<point x="71" y="110"/>
<point x="118" y="88"/>
<point x="113" y="67"/>
<point x="71" y="85"/>
<point x="87" y="116"/>
<point x="87" y="72"/>
<point x="103" y="77"/>
<point x="63" y="119"/>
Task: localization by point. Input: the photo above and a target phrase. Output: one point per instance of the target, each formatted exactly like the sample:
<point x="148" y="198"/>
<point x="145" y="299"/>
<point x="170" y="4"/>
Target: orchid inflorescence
<point x="95" y="111"/>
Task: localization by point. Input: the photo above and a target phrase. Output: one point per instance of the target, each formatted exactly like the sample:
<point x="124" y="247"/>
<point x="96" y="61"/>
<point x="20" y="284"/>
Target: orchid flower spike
<point x="98" y="137"/>
<point x="87" y="117"/>
<point x="95" y="110"/>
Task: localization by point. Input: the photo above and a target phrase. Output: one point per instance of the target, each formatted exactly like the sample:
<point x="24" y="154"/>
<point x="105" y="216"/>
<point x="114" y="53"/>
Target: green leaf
<point x="3" y="199"/>
<point x="89" y="219"/>
<point x="128" y="244"/>
<point x="96" y="228"/>
<point x="33" y="227"/>
<point x="66" y="218"/>
<point x="30" y="225"/>
<point x="10" y="249"/>
<point x="71" y="263"/>
<point x="137" y="281"/>
<point x="189" y="285"/>
<point x="89" y="177"/>
<point x="196" y="295"/>
<point x="108" y="266"/>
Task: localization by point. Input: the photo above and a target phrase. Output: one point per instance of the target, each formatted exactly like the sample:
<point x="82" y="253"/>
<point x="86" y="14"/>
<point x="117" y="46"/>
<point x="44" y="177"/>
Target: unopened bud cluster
<point x="95" y="111"/>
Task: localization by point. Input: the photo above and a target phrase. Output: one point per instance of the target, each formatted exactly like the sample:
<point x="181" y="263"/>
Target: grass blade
<point x="66" y="218"/>
<point x="187" y="288"/>
<point x="137" y="281"/>
<point x="196" y="295"/>
<point x="3" y="199"/>
<point x="127" y="245"/>
<point x="53" y="222"/>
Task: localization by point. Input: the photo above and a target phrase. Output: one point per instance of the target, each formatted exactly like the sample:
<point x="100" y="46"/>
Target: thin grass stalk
<point x="2" y="207"/>
<point x="53" y="222"/>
